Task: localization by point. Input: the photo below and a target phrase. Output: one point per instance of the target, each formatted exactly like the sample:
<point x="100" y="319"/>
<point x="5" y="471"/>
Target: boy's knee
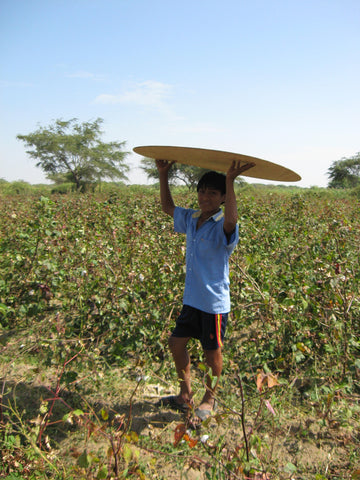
<point x="213" y="356"/>
<point x="177" y="343"/>
<point x="171" y="342"/>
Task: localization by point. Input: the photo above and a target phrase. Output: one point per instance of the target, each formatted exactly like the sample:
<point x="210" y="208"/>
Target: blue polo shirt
<point x="207" y="283"/>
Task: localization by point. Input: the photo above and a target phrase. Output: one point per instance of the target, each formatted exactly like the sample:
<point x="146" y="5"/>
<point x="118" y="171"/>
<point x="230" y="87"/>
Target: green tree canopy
<point x="71" y="151"/>
<point x="186" y="174"/>
<point x="345" y="173"/>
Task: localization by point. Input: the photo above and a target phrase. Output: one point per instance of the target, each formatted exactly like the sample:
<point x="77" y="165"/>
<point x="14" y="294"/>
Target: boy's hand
<point x="163" y="166"/>
<point x="237" y="169"/>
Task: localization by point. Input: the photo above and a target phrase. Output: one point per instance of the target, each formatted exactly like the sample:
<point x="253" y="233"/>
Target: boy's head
<point x="214" y="181"/>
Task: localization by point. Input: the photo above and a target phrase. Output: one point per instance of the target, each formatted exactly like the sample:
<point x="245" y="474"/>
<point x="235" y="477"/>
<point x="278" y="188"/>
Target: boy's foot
<point x="174" y="402"/>
<point x="207" y="406"/>
<point x="202" y="413"/>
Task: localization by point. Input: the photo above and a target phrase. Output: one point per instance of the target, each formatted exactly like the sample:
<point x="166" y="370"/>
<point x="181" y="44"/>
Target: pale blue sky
<point x="276" y="79"/>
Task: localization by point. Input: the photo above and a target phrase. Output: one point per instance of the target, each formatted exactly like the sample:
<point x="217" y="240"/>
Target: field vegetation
<point x="90" y="286"/>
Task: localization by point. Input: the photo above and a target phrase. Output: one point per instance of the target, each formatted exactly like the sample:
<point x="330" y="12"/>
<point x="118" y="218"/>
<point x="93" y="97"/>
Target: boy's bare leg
<point x="214" y="360"/>
<point x="181" y="358"/>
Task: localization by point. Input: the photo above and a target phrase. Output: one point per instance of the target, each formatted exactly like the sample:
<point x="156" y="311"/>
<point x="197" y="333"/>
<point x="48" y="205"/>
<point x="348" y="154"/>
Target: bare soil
<point x="297" y="441"/>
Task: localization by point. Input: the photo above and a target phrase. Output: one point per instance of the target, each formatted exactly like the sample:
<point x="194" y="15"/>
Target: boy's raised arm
<point x="167" y="202"/>
<point x="231" y="214"/>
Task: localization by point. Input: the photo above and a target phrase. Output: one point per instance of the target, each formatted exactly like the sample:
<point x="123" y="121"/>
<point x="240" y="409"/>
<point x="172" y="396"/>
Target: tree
<point x="71" y="151"/>
<point x="186" y="174"/>
<point x="345" y="173"/>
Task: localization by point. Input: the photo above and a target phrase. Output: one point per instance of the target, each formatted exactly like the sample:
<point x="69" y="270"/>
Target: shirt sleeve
<point x="181" y="219"/>
<point x="232" y="240"/>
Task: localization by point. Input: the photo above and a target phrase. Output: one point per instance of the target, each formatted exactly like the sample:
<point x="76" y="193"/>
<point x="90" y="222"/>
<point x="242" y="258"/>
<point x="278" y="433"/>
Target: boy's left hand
<point x="237" y="169"/>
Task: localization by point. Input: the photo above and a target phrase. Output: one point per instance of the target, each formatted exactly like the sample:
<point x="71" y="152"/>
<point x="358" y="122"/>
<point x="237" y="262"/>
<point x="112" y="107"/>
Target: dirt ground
<point x="290" y="444"/>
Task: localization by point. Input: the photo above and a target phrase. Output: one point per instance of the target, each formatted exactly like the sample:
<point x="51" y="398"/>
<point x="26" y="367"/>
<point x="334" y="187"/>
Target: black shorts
<point x="209" y="328"/>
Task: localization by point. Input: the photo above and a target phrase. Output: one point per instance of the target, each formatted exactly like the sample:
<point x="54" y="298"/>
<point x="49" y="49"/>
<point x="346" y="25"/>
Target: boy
<point x="211" y="236"/>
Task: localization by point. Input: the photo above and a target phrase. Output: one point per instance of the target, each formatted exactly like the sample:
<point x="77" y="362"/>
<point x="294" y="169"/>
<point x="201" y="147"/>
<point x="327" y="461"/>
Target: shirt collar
<point x="216" y="217"/>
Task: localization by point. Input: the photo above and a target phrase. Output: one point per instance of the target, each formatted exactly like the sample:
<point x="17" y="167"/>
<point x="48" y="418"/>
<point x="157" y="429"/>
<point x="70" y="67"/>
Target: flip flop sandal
<point x="201" y="415"/>
<point x="171" y="402"/>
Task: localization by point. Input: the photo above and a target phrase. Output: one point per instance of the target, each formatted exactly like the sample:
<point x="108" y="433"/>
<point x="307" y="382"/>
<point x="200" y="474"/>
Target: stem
<point x="1" y="402"/>
<point x="242" y="416"/>
<point x="46" y="419"/>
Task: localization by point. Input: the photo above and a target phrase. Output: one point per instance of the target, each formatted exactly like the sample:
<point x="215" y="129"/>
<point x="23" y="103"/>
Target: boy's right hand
<point x="163" y="166"/>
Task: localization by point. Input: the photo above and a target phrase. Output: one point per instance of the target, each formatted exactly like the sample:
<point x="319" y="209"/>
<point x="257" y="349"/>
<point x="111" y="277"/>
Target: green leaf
<point x="3" y="309"/>
<point x="127" y="453"/>
<point x="84" y="461"/>
<point x="290" y="468"/>
<point x="77" y="412"/>
<point x="214" y="382"/>
<point x="202" y="367"/>
<point x="14" y="476"/>
<point x="104" y="414"/>
<point x="102" y="473"/>
<point x="44" y="407"/>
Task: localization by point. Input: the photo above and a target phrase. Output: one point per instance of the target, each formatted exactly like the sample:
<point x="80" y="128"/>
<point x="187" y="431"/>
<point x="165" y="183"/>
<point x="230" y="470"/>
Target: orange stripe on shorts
<point x="218" y="318"/>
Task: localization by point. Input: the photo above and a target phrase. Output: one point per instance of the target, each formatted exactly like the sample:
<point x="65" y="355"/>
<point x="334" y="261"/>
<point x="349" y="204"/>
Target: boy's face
<point x="210" y="199"/>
